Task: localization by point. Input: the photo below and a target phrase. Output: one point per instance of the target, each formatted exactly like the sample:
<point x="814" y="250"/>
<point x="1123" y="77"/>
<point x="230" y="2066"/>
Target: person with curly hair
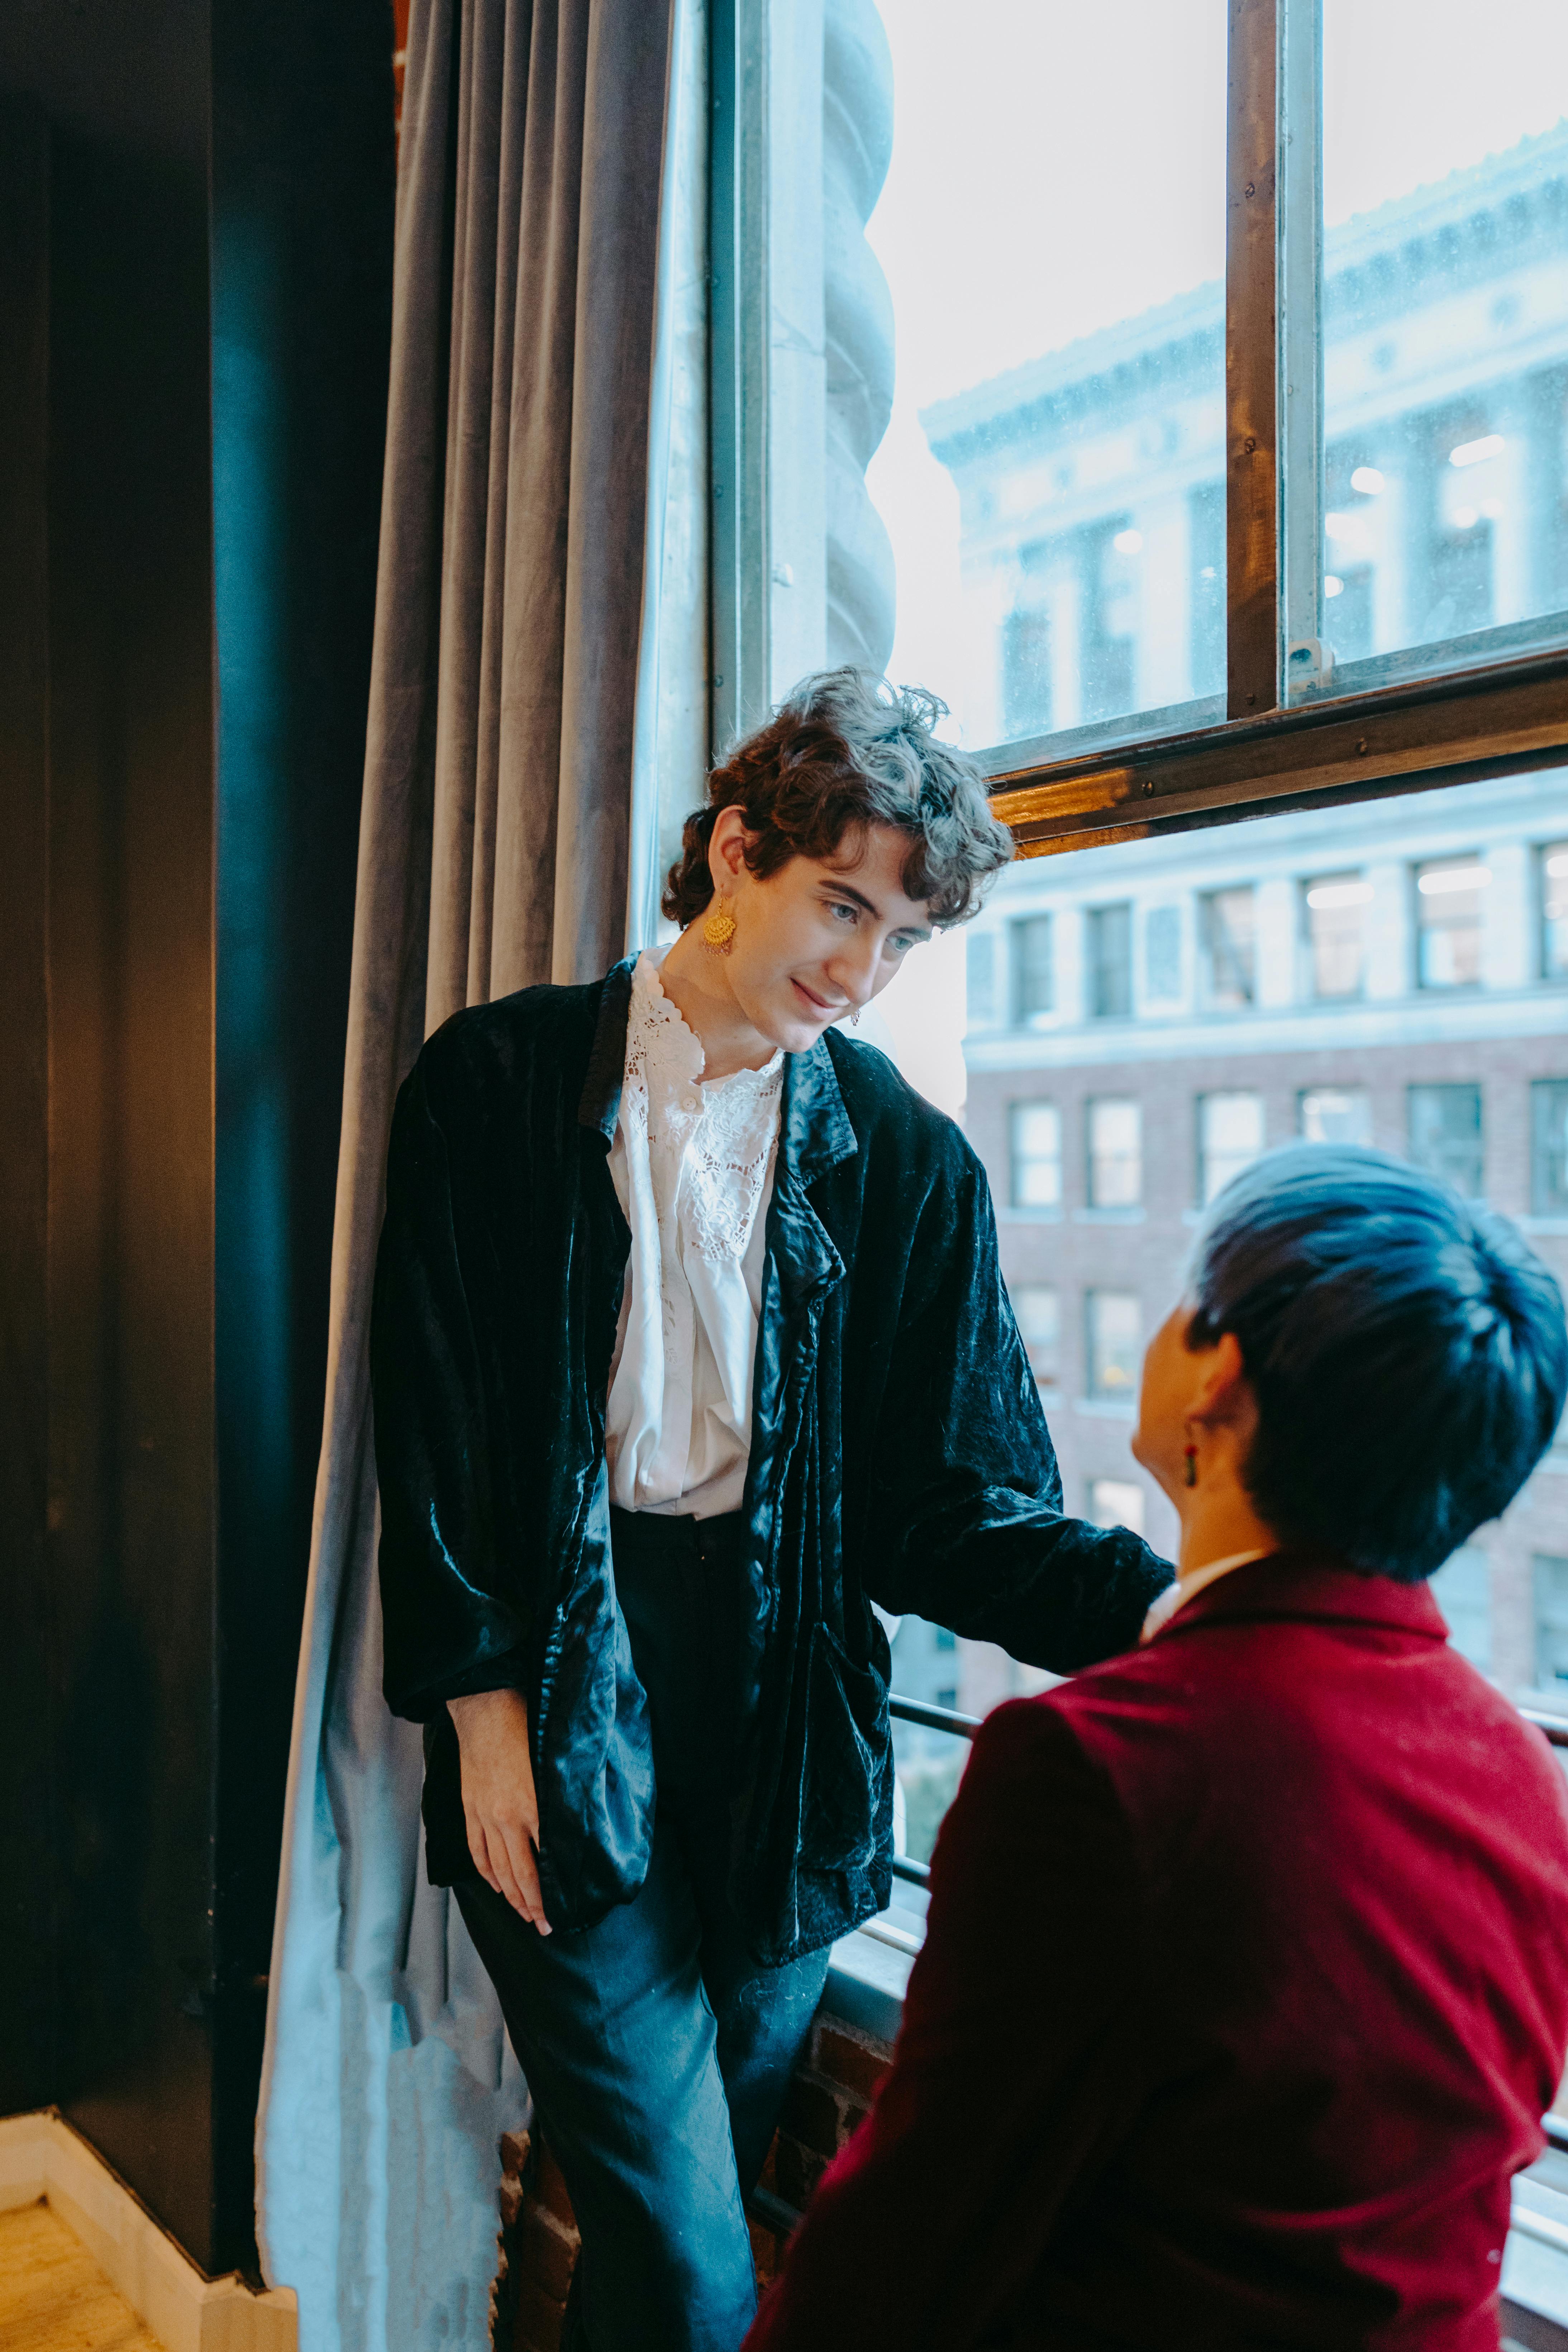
<point x="689" y="1346"/>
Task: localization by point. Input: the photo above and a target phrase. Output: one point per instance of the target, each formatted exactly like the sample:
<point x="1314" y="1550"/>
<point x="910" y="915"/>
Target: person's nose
<point x="854" y="969"/>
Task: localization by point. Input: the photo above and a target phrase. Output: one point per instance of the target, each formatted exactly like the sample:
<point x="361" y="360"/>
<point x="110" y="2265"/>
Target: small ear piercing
<point x="1191" y="1465"/>
<point x="719" y="931"/>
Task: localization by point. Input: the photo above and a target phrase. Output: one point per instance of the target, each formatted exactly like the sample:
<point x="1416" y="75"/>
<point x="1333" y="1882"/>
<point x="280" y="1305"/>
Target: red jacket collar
<point x="1300" y="1585"/>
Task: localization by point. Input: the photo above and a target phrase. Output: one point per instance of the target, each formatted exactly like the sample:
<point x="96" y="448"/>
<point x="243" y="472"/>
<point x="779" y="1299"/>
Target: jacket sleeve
<point x="1017" y="2072"/>
<point x="454" y="1621"/>
<point x="967" y="1526"/>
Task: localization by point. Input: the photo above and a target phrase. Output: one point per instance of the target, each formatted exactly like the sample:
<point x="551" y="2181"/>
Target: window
<point x="1550" y="1579"/>
<point x="1449" y="894"/>
<point x="1445" y="1134"/>
<point x="1037" y="1139"/>
<point x="1333" y="909"/>
<point x="980" y="978"/>
<point x="1116" y="1503"/>
<point x="1549" y="1148"/>
<point x="1230" y="949"/>
<point x="1230" y="1135"/>
<point x="1115" y="1330"/>
<point x="1462" y="1590"/>
<point x="1554" y="911"/>
<point x="1110" y="963"/>
<point x="1334" y="1115"/>
<point x="1163" y="953"/>
<point x="1115" y="1132"/>
<point x="942" y="1637"/>
<point x="1034" y="986"/>
<point x="1039" y="1309"/>
<point x="1037" y="501"/>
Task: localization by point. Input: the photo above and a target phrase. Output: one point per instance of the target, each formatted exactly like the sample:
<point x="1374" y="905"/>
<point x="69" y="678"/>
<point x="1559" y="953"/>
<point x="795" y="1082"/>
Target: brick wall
<point x="830" y="2094"/>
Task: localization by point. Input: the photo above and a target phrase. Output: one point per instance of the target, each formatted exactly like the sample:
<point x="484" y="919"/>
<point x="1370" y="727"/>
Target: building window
<point x="1462" y="1590"/>
<point x="1445" y="1136"/>
<point x="1116" y="1503"/>
<point x="1449" y="894"/>
<point x="1334" y="1115"/>
<point x="1115" y="1135"/>
<point x="1026" y="672"/>
<point x="980" y="976"/>
<point x="1163" y="953"/>
<point x="1115" y="1330"/>
<point x="1549" y="1148"/>
<point x="1554" y="911"/>
<point x="1039" y="1309"/>
<point x="942" y="1637"/>
<point x="1230" y="1136"/>
<point x="1230" y="949"/>
<point x="1036" y="1141"/>
<point x="1333" y="907"/>
<point x="1033" y="982"/>
<point x="1110" y="963"/>
<point x="1549" y="1575"/>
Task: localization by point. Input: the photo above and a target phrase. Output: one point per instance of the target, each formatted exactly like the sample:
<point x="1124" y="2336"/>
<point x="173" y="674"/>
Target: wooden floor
<point x="53" y="2296"/>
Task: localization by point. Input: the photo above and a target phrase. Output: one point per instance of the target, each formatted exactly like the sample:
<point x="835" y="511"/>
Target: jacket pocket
<point x="848" y="1758"/>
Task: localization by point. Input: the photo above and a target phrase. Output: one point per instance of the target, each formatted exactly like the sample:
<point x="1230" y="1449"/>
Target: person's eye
<point x="841" y="908"/>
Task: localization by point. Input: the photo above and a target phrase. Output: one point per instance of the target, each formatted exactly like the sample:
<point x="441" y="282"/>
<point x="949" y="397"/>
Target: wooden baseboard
<point x="42" y="2157"/>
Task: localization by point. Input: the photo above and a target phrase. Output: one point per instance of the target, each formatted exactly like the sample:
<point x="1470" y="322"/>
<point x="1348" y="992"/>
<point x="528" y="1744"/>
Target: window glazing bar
<point x="1307" y="662"/>
<point x="1251" y="257"/>
<point x="738" y="245"/>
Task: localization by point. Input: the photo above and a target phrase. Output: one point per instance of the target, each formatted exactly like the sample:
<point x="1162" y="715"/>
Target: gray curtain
<point x="517" y="705"/>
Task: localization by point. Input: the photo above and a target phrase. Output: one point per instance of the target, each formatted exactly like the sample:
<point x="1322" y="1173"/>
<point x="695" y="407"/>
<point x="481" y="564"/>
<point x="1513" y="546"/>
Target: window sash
<point x="1408" y="727"/>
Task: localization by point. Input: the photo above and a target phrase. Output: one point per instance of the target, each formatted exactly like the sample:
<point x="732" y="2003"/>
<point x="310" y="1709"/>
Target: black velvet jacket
<point x="899" y="1453"/>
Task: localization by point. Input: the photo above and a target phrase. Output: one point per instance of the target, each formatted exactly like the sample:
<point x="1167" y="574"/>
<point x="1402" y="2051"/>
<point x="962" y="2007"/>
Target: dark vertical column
<point x="29" y="1826"/>
<point x="131" y="1497"/>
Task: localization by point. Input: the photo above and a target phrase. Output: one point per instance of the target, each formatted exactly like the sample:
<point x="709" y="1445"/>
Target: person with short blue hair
<point x="1246" y="1979"/>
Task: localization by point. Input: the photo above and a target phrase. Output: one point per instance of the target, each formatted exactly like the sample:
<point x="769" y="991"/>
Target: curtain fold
<point x="548" y="214"/>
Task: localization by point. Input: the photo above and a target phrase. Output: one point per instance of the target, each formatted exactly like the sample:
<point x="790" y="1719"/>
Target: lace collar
<point x="709" y="1142"/>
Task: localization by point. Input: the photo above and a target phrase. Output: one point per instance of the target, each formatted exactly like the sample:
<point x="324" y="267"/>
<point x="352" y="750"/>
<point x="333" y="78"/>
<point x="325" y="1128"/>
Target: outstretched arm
<point x="1016" y="2071"/>
<point x="966" y="1525"/>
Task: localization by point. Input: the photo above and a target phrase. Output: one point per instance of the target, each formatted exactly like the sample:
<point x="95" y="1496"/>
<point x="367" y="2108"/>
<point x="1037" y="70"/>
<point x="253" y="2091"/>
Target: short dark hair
<point x="844" y="752"/>
<point x="1407" y="1349"/>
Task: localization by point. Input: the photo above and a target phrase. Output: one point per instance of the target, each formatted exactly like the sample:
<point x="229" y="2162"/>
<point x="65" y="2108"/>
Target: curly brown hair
<point x="846" y="750"/>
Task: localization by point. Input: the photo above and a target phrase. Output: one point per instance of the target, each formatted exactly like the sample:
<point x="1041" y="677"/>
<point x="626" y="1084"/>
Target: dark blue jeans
<point x="656" y="2049"/>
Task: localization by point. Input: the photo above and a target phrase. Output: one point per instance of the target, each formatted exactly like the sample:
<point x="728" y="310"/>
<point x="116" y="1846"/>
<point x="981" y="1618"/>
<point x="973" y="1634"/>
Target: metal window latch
<point x="1309" y="667"/>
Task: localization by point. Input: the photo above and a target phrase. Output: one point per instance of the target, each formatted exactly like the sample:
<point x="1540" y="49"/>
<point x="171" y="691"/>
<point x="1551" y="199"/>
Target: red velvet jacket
<point x="1245" y="1987"/>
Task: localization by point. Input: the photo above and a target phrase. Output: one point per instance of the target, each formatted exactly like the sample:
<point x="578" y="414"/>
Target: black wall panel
<point x="193" y="409"/>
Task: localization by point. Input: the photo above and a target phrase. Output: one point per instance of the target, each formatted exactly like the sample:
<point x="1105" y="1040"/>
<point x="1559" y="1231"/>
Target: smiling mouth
<point x="819" y="1004"/>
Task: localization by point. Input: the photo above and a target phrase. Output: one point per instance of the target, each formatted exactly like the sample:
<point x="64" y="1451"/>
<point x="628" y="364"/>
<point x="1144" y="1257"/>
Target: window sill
<point x="1012" y="1216"/>
<point x="1107" y="1216"/>
<point x="1106" y="1408"/>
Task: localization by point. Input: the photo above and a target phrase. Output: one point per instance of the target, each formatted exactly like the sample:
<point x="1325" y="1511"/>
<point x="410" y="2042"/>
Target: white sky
<point x="1062" y="166"/>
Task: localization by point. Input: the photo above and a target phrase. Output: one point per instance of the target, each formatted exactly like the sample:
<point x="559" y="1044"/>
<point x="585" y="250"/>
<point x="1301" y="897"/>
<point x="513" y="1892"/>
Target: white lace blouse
<point x="692" y="1162"/>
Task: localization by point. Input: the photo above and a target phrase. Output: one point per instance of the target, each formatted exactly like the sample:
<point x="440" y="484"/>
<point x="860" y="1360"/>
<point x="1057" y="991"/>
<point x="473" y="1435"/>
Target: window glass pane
<point x="980" y="978"/>
<point x="1230" y="1135"/>
<point x="1039" y="1309"/>
<point x="1116" y="1503"/>
<point x="1462" y="1590"/>
<point x="1110" y="932"/>
<point x="1334" y="909"/>
<point x="1549" y="1140"/>
<point x="1036" y="1177"/>
<point x="1554" y="911"/>
<point x="1334" y="1115"/>
<point x="1549" y="1572"/>
<point x="1034" y="972"/>
<point x="1115" y="1154"/>
<point x="996" y="450"/>
<point x="1213" y="1089"/>
<point x="1445" y="334"/>
<point x="1445" y="1134"/>
<point x="1451" y="898"/>
<point x="1115" y="1344"/>
<point x="1230" y="949"/>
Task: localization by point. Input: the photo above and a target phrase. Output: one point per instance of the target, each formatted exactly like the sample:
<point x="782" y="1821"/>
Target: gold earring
<point x="719" y="931"/>
<point x="1192" y="1468"/>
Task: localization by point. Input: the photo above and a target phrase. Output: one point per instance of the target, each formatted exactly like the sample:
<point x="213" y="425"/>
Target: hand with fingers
<point x="499" y="1802"/>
